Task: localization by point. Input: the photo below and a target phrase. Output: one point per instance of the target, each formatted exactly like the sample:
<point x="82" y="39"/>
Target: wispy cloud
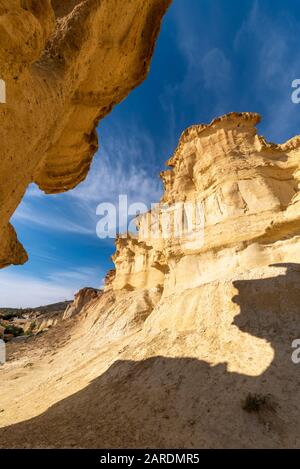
<point x="208" y="77"/>
<point x="125" y="164"/>
<point x="216" y="70"/>
<point x="76" y="276"/>
<point x="33" y="291"/>
<point x="269" y="42"/>
<point x="31" y="214"/>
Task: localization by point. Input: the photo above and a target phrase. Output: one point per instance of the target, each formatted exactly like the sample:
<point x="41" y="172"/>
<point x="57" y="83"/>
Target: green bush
<point x="14" y="330"/>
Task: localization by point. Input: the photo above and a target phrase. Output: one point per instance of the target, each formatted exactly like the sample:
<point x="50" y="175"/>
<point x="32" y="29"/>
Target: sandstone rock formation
<point x="81" y="299"/>
<point x="65" y="65"/>
<point x="246" y="193"/>
<point x="190" y="345"/>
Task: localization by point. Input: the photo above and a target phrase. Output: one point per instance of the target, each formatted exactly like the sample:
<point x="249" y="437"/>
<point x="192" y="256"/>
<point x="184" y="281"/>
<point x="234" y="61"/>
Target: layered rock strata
<point x="230" y="201"/>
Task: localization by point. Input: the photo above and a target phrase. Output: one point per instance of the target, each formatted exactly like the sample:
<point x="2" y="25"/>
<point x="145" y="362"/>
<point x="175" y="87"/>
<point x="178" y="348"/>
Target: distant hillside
<point x="7" y="313"/>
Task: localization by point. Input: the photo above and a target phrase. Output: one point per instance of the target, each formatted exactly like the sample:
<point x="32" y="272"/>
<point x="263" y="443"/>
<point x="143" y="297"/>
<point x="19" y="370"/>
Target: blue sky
<point x="212" y="57"/>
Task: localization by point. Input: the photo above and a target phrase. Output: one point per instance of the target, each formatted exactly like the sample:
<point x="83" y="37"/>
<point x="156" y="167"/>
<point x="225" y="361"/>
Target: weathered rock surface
<point x="81" y="299"/>
<point x="243" y="194"/>
<point x="190" y="344"/>
<point x="65" y="65"/>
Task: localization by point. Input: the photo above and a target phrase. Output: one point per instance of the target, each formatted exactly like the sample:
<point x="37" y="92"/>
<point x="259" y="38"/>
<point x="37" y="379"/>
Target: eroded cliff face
<point x="65" y="65"/>
<point x="237" y="197"/>
<point x="190" y="345"/>
<point x="81" y="298"/>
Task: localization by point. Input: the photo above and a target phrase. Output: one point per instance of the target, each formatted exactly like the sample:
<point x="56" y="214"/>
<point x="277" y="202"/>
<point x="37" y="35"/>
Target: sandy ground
<point x="108" y="379"/>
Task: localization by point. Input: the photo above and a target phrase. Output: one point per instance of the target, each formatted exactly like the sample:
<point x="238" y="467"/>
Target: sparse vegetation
<point x="32" y="327"/>
<point x="14" y="330"/>
<point x="10" y="313"/>
<point x="258" y="402"/>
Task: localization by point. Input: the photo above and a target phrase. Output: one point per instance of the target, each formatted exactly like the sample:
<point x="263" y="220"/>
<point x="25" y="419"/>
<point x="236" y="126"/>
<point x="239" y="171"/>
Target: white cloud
<point x="124" y="165"/>
<point x="33" y="291"/>
<point x="216" y="69"/>
<point x="78" y="276"/>
<point x="270" y="43"/>
<point x="33" y="215"/>
<point x="208" y="77"/>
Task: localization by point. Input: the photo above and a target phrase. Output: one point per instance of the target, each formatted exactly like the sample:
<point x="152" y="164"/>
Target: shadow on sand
<point x="180" y="402"/>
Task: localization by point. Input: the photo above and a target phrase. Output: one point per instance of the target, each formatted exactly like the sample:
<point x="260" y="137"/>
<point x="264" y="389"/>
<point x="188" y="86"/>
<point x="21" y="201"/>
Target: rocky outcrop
<point x="81" y="299"/>
<point x="65" y="65"/>
<point x="191" y="345"/>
